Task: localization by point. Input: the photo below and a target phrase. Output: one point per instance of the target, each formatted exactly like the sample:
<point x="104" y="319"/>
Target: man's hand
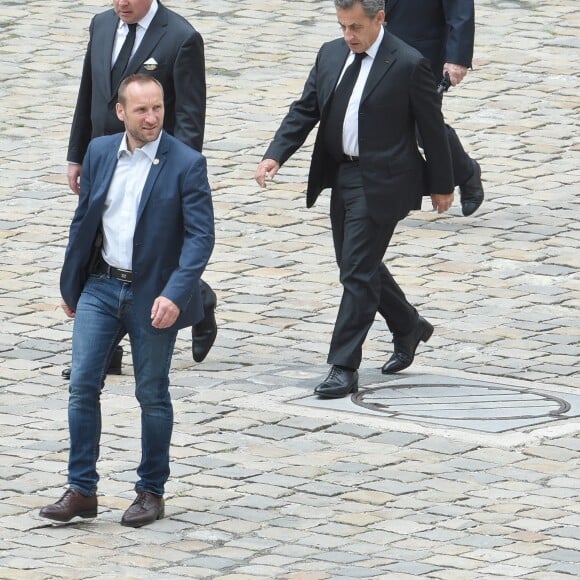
<point x="456" y="72"/>
<point x="70" y="313"/>
<point x="73" y="175"/>
<point x="441" y="201"/>
<point x="267" y="169"/>
<point x="164" y="313"/>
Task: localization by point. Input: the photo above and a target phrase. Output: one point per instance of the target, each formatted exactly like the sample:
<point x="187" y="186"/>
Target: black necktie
<point x="338" y="106"/>
<point x="124" y="57"/>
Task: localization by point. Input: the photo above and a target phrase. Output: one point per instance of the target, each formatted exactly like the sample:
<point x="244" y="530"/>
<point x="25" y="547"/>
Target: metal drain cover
<point x="487" y="406"/>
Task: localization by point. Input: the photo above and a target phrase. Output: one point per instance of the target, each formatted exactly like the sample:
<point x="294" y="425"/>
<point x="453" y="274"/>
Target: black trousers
<point x="368" y="287"/>
<point x="462" y="163"/>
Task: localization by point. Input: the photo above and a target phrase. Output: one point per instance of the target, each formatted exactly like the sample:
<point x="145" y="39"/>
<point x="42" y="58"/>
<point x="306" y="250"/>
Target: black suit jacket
<point x="176" y="47"/>
<point x="399" y="92"/>
<point x="441" y="30"/>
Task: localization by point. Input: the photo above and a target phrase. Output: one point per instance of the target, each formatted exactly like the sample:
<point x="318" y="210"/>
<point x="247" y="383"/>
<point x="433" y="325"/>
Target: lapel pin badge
<point x="156" y="161"/>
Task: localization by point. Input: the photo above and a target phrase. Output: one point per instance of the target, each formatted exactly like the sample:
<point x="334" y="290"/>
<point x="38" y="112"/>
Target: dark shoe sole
<point x="393" y="371"/>
<point x="129" y="524"/>
<point x="85" y="515"/>
<point x="336" y="396"/>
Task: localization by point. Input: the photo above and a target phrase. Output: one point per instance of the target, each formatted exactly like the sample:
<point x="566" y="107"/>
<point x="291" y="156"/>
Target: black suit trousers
<point x="462" y="164"/>
<point x="368" y="287"/>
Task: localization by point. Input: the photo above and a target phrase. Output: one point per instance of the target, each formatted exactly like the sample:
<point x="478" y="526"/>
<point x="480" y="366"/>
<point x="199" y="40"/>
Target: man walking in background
<point x="443" y="32"/>
<point x="146" y="37"/>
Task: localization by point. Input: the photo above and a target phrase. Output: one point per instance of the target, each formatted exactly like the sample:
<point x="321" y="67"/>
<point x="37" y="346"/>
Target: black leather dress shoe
<point x="146" y="509"/>
<point x="471" y="192"/>
<point x="72" y="504"/>
<point x="406" y="345"/>
<point x="203" y="335"/>
<point x="114" y="367"/>
<point x="339" y="383"/>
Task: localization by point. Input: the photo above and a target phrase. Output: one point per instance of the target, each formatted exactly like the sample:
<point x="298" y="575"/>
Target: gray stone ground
<point x="262" y="487"/>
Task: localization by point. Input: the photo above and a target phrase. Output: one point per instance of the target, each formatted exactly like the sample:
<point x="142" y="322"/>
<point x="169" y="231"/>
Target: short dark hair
<point x="138" y="78"/>
<point x="370" y="7"/>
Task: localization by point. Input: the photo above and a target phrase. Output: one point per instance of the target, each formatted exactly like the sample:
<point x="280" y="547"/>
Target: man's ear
<point x="120" y="112"/>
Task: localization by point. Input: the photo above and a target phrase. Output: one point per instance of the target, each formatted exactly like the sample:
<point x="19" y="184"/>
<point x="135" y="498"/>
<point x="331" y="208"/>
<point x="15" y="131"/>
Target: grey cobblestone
<point x="263" y="486"/>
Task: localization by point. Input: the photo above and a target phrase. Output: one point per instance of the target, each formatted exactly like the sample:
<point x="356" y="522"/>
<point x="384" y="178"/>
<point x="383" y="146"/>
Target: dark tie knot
<point x="359" y="56"/>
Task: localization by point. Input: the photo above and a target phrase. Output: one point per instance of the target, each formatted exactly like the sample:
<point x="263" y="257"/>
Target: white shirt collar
<point x="149" y="149"/>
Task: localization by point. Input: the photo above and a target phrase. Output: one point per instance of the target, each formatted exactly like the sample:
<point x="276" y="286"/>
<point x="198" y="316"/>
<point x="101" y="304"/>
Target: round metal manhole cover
<point x="491" y="408"/>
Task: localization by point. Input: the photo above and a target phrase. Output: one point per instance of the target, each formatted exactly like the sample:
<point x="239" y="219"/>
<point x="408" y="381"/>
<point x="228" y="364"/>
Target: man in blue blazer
<point x="443" y="32"/>
<point x="366" y="151"/>
<point x="139" y="241"/>
<point x="168" y="48"/>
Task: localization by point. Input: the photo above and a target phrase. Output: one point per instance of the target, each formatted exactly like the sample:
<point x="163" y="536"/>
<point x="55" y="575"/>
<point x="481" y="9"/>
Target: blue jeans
<point x="104" y="314"/>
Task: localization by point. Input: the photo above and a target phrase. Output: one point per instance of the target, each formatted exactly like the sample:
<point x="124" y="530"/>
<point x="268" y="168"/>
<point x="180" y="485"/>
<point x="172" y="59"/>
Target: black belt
<point x="349" y="159"/>
<point x="112" y="272"/>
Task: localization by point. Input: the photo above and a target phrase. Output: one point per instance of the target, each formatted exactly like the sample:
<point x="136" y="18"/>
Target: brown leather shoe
<point x="72" y="504"/>
<point x="146" y="509"/>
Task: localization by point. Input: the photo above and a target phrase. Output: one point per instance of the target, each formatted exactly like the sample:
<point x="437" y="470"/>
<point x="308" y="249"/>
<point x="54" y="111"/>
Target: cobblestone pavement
<point x="262" y="487"/>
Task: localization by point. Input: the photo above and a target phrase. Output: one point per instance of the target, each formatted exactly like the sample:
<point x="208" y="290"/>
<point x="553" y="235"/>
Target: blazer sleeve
<point x="460" y="19"/>
<point x="298" y="122"/>
<point x="190" y="92"/>
<point x="81" y="127"/>
<point x="79" y="246"/>
<point x="426" y="106"/>
<point x="199" y="235"/>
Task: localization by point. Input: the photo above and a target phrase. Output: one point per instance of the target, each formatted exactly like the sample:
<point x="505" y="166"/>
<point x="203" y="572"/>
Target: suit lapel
<point x="154" y="33"/>
<point x="383" y="61"/>
<point x="156" y="168"/>
<point x="109" y="34"/>
<point x="334" y="66"/>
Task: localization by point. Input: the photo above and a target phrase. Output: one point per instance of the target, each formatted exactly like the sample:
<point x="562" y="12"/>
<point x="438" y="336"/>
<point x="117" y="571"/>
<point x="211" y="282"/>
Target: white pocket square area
<point x="150" y="64"/>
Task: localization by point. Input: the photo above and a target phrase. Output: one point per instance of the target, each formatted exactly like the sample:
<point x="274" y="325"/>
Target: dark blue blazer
<point x="441" y="30"/>
<point x="174" y="234"/>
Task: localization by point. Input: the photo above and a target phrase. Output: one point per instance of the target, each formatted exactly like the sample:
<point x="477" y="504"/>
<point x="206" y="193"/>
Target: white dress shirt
<point x="123" y="30"/>
<point x="122" y="203"/>
<point x="350" y="126"/>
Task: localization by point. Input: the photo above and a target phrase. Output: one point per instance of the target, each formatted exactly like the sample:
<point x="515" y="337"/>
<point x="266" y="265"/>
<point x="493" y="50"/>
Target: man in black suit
<point x="368" y="90"/>
<point x="443" y="32"/>
<point x="149" y="39"/>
